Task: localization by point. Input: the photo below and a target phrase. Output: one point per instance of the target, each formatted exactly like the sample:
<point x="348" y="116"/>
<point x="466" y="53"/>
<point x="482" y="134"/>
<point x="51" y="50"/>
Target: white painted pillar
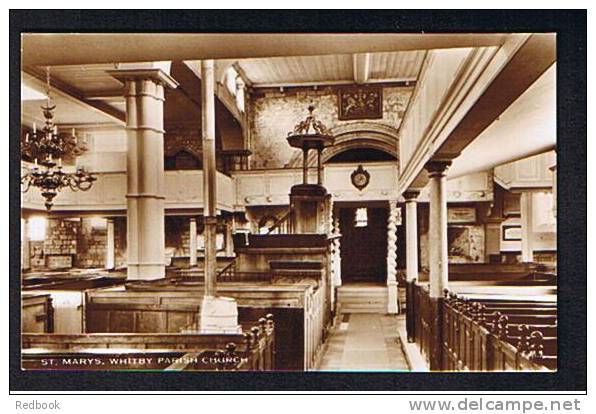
<point x="527" y="237"/>
<point x="144" y="93"/>
<point x="229" y="237"/>
<point x="411" y="235"/>
<point x="193" y="241"/>
<point x="437" y="229"/>
<point x="110" y="244"/>
<point x="209" y="174"/>
<point x="25" y="245"/>
<point x="392" y="222"/>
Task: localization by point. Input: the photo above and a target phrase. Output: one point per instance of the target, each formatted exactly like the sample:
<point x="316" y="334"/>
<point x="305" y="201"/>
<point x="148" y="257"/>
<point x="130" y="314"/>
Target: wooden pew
<point x="151" y="307"/>
<point x="502" y="272"/>
<point x="253" y="350"/>
<point x="477" y="339"/>
<point x="66" y="293"/>
<point x="37" y="313"/>
<point x="484" y="334"/>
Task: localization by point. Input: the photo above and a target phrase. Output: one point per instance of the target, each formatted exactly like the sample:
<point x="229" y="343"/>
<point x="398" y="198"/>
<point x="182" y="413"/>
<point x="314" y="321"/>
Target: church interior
<point x="277" y="202"/>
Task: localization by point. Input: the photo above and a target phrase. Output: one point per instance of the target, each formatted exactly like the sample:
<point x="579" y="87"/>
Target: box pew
<point x="37" y="313"/>
<point x="152" y="307"/>
<point x="456" y="333"/>
<point x="253" y="350"/>
<point x="67" y="298"/>
<point x="503" y="272"/>
<point x="481" y="340"/>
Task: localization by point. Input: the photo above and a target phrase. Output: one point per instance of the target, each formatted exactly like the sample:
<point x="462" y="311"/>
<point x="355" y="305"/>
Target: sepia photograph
<point x="288" y="202"/>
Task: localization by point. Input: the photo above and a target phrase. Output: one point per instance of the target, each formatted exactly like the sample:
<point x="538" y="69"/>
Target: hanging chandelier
<point x="47" y="148"/>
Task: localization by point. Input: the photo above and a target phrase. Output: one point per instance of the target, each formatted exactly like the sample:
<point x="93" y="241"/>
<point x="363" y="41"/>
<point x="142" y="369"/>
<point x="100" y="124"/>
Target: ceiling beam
<point x="409" y="81"/>
<point x="361" y="67"/>
<point x="45" y="49"/>
<point x="104" y="96"/>
<point x="73" y="94"/>
<point x="240" y="70"/>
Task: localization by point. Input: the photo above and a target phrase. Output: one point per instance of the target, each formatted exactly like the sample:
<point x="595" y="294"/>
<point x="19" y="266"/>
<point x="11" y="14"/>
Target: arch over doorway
<point x="358" y="135"/>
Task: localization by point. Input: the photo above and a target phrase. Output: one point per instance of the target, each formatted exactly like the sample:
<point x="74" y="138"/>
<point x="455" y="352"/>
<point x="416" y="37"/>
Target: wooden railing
<point x="229" y="273"/>
<point x="283" y="225"/>
<point x="455" y="333"/>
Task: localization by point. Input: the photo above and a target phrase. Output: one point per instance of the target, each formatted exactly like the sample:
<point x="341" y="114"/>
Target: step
<point x="362" y="295"/>
<point x="362" y="289"/>
<point x="363" y="305"/>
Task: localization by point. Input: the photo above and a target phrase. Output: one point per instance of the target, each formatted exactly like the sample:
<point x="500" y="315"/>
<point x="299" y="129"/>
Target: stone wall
<point x="91" y="245"/>
<point x="275" y="113"/>
<point x="61" y="237"/>
<point x="60" y="244"/>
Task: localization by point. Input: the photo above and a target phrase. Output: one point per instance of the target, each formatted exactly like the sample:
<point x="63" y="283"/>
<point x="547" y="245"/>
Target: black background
<point x="570" y="27"/>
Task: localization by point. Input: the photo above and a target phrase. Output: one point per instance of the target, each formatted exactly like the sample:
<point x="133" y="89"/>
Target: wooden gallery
<point x="345" y="202"/>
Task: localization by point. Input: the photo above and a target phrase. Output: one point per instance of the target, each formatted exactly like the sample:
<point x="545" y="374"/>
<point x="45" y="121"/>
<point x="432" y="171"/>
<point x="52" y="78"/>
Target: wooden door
<point x="364" y="248"/>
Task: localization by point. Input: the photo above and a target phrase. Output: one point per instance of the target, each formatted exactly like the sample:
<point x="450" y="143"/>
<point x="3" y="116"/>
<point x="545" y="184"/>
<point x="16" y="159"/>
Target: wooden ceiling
<point x="333" y="69"/>
<point x="88" y="95"/>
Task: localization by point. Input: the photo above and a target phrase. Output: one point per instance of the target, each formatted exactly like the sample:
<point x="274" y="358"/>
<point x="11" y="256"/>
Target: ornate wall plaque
<point x="360" y="102"/>
<point x="461" y="215"/>
<point x="360" y="178"/>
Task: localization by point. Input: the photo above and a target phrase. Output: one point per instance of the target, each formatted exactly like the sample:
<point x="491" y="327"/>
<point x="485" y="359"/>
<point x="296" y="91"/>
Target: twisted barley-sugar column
<point x="392" y="257"/>
<point x="337" y="252"/>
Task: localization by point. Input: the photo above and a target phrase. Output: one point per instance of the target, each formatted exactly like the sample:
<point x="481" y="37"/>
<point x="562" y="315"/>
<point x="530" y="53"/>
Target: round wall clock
<point x="360" y="178"/>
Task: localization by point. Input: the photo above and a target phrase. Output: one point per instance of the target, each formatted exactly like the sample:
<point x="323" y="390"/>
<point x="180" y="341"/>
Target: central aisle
<point x="364" y="342"/>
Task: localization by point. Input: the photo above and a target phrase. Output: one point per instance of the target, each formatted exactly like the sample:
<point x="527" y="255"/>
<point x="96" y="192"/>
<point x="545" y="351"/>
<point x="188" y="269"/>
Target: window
<point x="361" y="217"/>
<point x="98" y="223"/>
<point x="37" y="228"/>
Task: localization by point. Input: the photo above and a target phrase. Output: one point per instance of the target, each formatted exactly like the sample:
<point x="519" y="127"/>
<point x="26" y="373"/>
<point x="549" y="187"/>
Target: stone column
<point x="193" y="241"/>
<point x="144" y="93"/>
<point x="110" y="244"/>
<point x="437" y="229"/>
<point x="411" y="258"/>
<point x="438" y="259"/>
<point x="392" y="222"/>
<point x="25" y="245"/>
<point x="527" y="238"/>
<point x="209" y="175"/>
